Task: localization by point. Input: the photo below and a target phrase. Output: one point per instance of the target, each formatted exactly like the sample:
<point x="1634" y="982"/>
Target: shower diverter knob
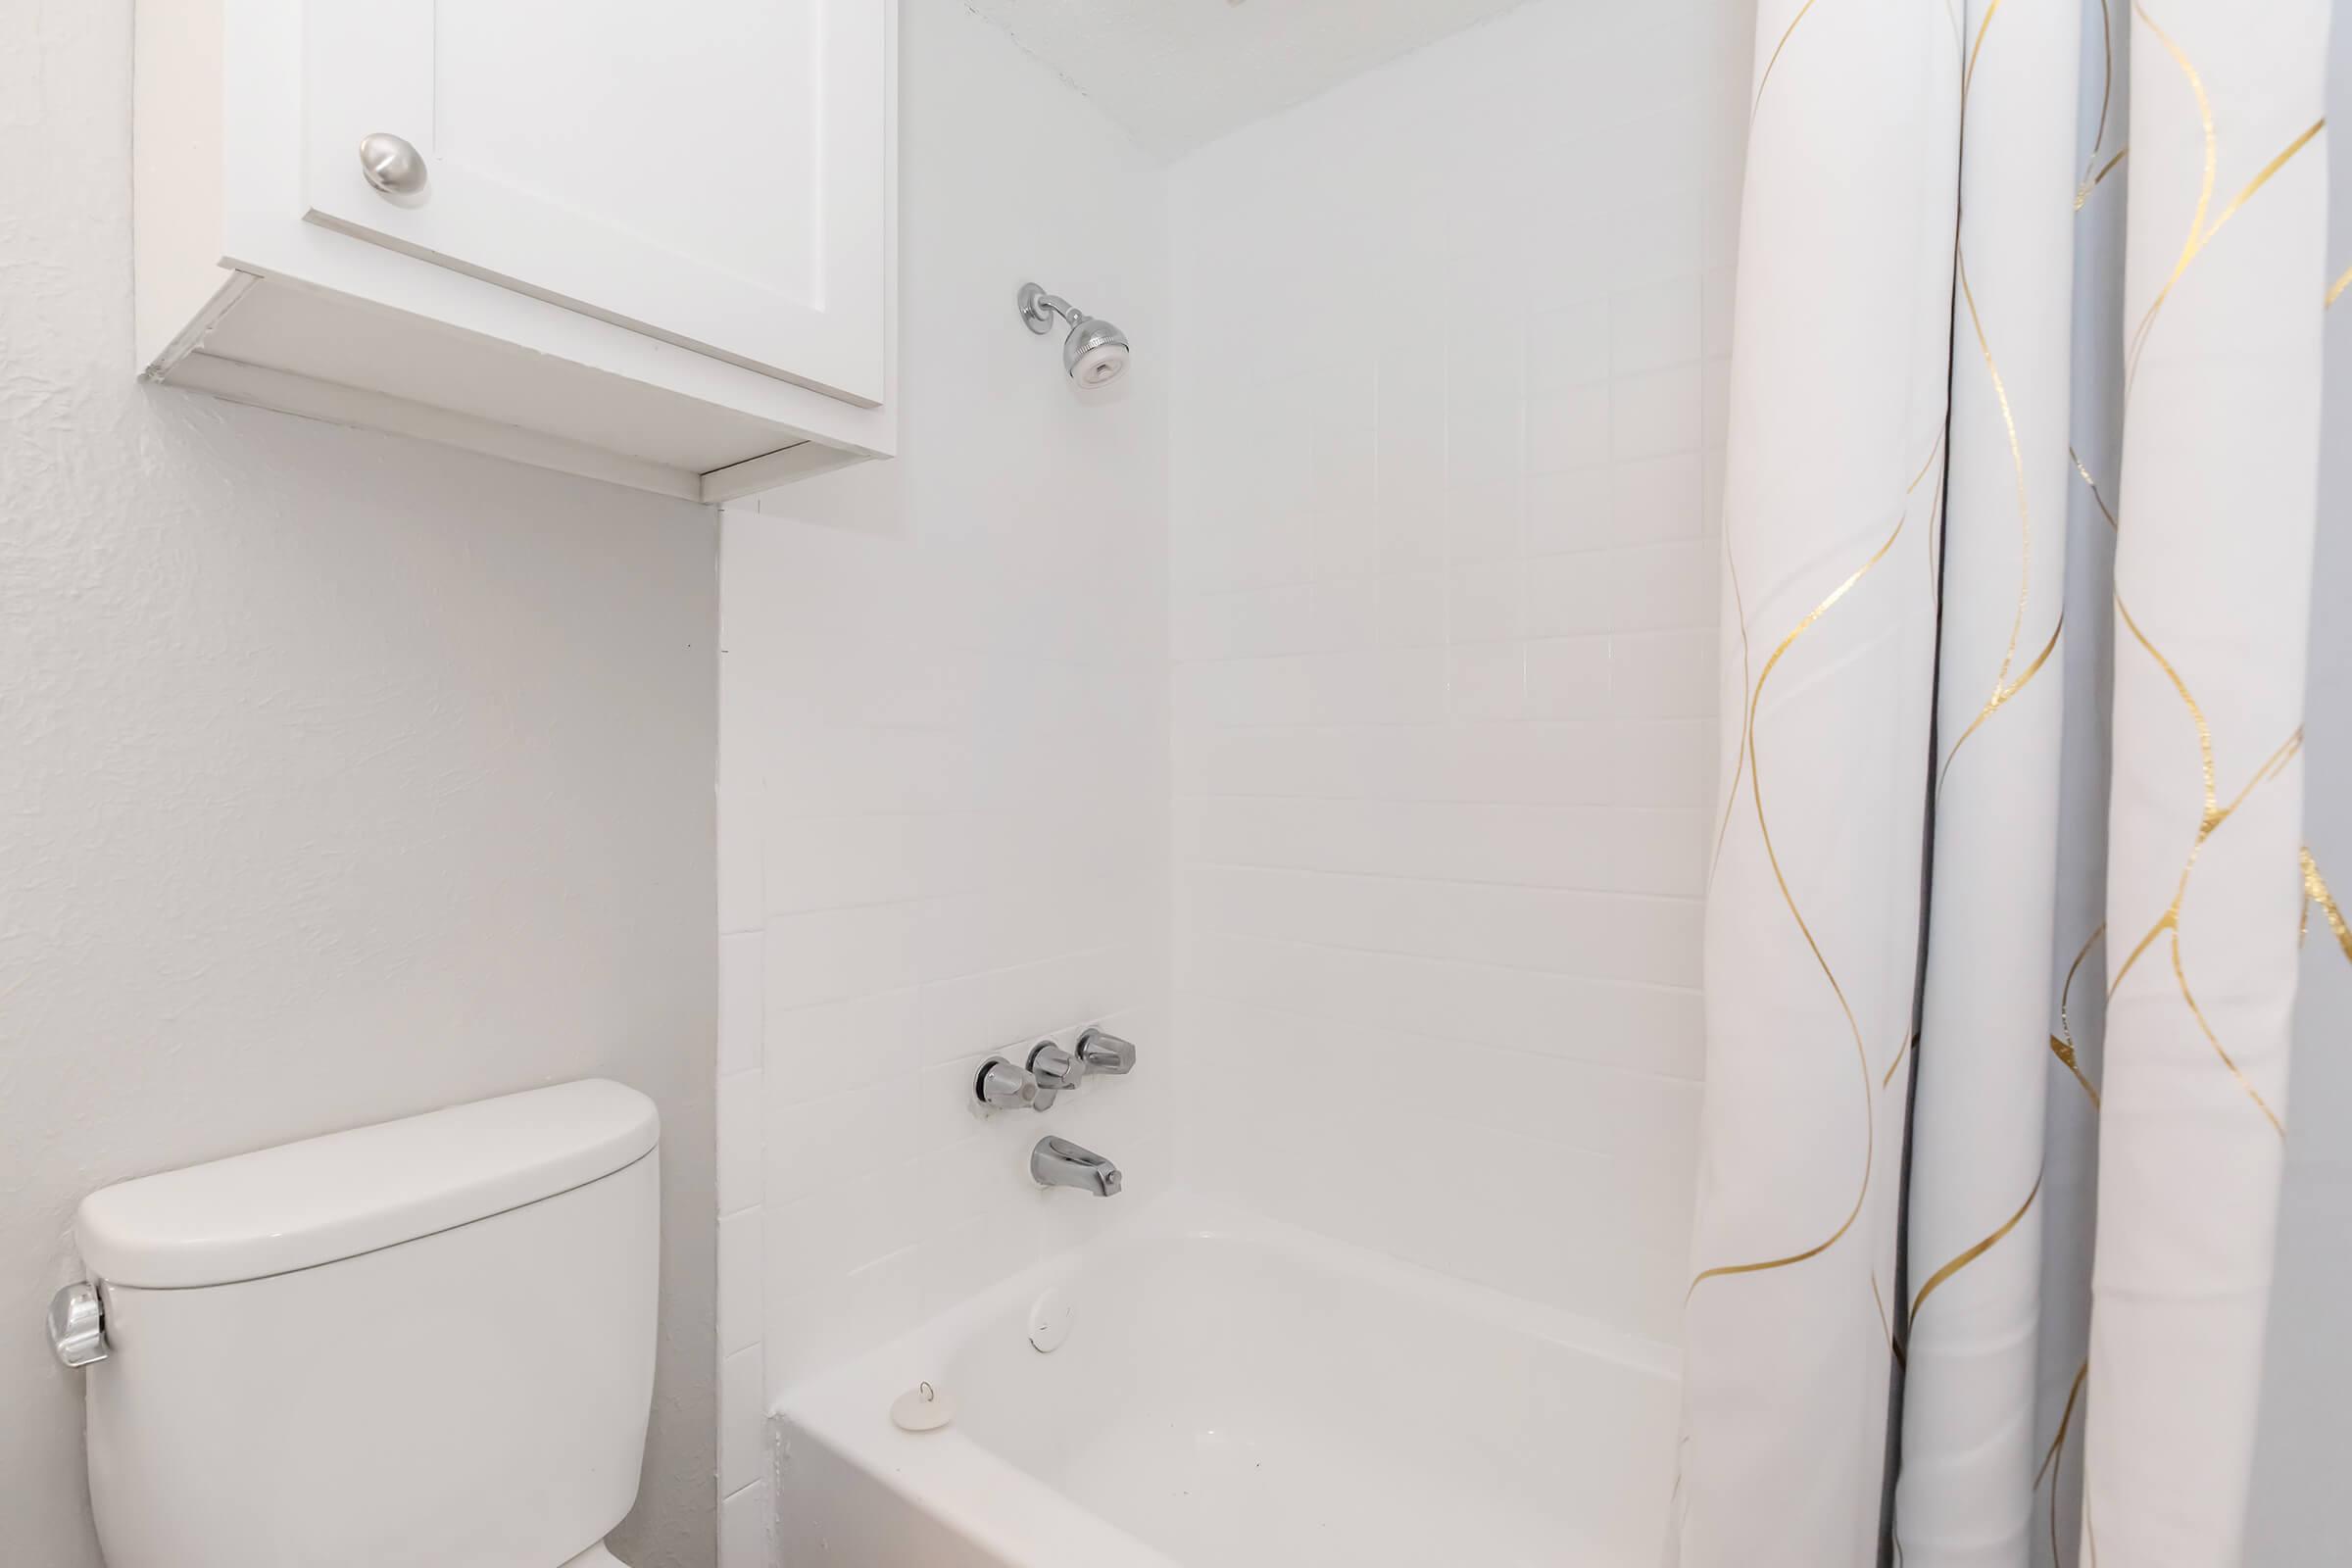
<point x="1055" y="1071"/>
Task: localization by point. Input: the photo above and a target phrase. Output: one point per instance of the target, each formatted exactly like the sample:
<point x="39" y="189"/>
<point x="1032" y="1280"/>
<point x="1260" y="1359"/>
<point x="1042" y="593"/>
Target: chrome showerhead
<point x="1094" y="353"/>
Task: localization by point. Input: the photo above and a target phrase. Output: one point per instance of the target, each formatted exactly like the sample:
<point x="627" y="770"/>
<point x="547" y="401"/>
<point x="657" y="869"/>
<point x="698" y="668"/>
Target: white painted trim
<point x="305" y="397"/>
<point x="772" y="468"/>
<point x="177" y="178"/>
<point x="200" y="325"/>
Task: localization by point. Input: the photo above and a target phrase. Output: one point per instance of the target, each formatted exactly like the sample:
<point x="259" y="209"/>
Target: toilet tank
<point x="427" y="1342"/>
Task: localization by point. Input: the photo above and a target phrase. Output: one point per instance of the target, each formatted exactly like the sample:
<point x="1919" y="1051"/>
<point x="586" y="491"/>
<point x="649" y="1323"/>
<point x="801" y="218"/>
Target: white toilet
<point x="424" y="1342"/>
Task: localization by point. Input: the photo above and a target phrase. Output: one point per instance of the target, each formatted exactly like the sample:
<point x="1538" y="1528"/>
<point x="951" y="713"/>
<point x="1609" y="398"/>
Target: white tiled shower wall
<point x="943" y="772"/>
<point x="1432" y="562"/>
<point x="1448" y="426"/>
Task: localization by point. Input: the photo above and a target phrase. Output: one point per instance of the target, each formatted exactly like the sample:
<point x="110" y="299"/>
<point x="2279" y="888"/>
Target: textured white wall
<point x="1452" y="346"/>
<point x="944" y="778"/>
<point x="340" y="777"/>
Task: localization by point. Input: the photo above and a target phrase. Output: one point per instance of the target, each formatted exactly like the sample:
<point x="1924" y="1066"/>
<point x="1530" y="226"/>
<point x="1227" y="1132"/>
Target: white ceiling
<point x="1180" y="73"/>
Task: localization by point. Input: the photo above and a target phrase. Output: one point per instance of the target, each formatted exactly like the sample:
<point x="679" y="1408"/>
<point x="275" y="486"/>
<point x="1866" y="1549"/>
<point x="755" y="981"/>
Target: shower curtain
<point x="2008" y="889"/>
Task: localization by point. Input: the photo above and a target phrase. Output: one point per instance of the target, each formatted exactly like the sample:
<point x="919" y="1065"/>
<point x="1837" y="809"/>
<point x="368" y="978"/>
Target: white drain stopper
<point x="923" y="1408"/>
<point x="1049" y="1322"/>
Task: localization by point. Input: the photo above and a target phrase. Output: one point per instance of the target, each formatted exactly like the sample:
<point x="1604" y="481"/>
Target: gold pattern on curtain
<point x="2114" y="555"/>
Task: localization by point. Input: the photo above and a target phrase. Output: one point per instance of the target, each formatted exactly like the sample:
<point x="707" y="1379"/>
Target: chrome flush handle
<point x="78" y="1325"/>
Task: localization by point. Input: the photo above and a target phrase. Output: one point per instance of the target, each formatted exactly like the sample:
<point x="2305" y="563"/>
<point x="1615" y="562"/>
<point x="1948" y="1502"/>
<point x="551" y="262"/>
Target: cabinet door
<point x="712" y="173"/>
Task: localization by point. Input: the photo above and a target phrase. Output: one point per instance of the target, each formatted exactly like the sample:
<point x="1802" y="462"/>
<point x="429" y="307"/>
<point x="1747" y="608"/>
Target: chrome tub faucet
<point x="1059" y="1162"/>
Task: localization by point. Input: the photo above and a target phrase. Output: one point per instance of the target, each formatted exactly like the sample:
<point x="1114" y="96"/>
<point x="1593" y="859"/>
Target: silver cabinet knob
<point x="1001" y="1086"/>
<point x="1104" y="1052"/>
<point x="78" y="1325"/>
<point x="392" y="164"/>
<point x="1055" y="1071"/>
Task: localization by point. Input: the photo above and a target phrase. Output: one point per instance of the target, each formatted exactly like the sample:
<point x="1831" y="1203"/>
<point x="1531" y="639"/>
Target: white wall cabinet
<point x="654" y="244"/>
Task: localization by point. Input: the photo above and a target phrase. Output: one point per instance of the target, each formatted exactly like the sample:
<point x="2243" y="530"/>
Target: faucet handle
<point x="1001" y="1086"/>
<point x="1055" y="1071"/>
<point x="1101" y="1051"/>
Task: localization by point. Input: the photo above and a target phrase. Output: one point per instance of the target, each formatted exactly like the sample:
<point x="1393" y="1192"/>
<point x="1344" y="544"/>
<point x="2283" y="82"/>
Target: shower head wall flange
<point x="1095" y="352"/>
<point x="1039" y="308"/>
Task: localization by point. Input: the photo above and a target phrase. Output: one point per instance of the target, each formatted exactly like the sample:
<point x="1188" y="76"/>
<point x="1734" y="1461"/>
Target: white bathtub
<point x="1236" y="1393"/>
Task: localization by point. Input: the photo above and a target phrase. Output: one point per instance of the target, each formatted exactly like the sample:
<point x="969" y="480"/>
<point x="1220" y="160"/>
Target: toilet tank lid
<point x="348" y="1193"/>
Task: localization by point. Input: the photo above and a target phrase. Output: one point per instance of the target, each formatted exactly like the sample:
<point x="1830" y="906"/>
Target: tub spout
<point x="1059" y="1162"/>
